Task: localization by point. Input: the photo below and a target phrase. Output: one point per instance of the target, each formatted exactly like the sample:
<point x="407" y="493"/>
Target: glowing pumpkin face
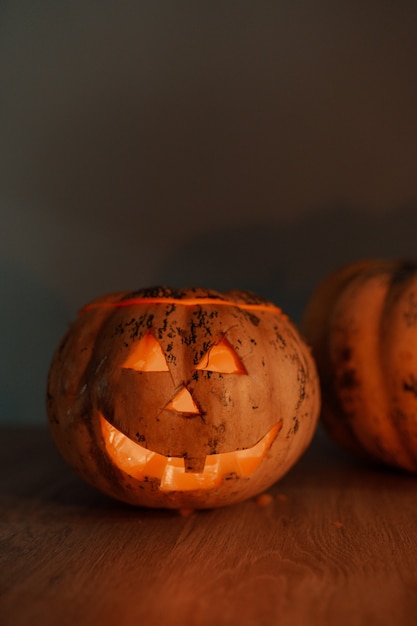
<point x="182" y="398"/>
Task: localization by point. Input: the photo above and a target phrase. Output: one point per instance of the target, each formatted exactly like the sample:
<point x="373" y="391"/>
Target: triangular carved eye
<point x="222" y="358"/>
<point x="147" y="356"/>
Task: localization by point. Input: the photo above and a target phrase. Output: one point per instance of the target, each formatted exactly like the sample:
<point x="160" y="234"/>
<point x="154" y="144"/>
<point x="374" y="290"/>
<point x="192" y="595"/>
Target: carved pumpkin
<point x="182" y="398"/>
<point x="362" y="325"/>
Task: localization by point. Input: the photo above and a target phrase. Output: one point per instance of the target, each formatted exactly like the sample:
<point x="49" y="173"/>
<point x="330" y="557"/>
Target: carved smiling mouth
<point x="142" y="463"/>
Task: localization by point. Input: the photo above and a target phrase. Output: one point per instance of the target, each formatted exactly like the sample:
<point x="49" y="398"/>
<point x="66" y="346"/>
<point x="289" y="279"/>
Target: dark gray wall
<point x="227" y="144"/>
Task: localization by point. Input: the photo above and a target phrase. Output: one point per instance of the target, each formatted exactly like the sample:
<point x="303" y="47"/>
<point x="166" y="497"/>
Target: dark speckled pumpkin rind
<point x="362" y="324"/>
<point x="278" y="391"/>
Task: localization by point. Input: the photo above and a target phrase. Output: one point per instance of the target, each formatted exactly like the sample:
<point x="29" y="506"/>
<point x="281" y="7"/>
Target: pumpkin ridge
<point x="362" y="302"/>
<point x="398" y="327"/>
<point x="362" y="324"/>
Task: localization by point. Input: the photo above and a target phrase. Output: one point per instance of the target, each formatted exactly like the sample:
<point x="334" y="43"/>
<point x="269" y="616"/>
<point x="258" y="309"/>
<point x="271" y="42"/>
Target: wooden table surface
<point x="336" y="545"/>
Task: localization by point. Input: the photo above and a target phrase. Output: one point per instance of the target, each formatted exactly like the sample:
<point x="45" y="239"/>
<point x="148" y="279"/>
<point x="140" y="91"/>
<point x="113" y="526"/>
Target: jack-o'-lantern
<point x="361" y="322"/>
<point x="182" y="398"/>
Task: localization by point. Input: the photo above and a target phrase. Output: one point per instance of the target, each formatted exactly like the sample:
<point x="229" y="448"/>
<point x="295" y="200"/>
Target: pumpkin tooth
<point x="175" y="478"/>
<point x="176" y="473"/>
<point x="195" y="464"/>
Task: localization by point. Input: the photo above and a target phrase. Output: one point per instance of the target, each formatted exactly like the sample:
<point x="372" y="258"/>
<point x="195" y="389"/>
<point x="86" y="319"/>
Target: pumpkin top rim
<point x="245" y="300"/>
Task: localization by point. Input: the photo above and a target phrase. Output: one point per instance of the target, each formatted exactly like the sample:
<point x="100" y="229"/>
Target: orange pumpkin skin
<point x="361" y="322"/>
<point x="182" y="398"/>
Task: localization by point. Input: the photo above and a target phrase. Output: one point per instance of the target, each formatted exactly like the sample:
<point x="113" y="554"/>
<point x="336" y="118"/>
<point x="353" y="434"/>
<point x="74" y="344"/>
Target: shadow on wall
<point x="284" y="262"/>
<point x="31" y="326"/>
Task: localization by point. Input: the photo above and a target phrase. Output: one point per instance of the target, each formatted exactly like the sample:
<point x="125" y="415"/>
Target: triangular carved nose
<point x="183" y="402"/>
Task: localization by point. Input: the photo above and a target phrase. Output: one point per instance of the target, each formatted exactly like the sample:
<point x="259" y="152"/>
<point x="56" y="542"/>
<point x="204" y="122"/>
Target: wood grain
<point x="335" y="543"/>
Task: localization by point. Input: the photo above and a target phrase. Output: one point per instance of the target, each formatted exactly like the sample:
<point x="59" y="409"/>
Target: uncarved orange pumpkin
<point x="361" y="322"/>
<point x="182" y="398"/>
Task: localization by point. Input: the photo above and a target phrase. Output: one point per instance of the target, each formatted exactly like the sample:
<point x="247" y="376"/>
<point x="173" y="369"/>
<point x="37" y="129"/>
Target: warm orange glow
<point x="222" y="358"/>
<point x="142" y="463"/>
<point x="270" y="308"/>
<point x="183" y="403"/>
<point x="147" y="356"/>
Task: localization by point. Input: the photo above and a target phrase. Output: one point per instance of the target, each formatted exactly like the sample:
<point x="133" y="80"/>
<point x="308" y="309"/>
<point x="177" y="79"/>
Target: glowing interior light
<point x="222" y="358"/>
<point x="130" y="456"/>
<point x="183" y="403"/>
<point x="268" y="307"/>
<point x="147" y="356"/>
<point x="141" y="463"/>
